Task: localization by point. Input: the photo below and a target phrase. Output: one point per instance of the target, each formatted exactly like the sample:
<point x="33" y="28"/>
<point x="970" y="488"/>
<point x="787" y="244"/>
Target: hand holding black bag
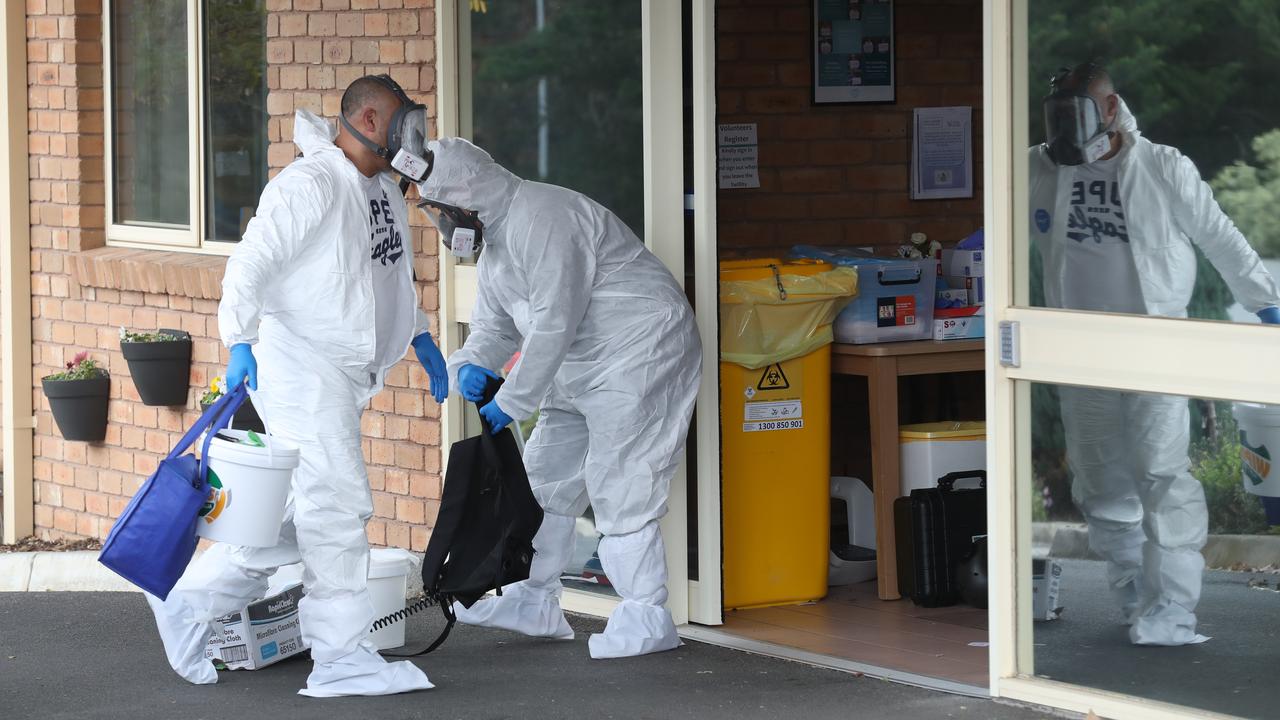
<point x="483" y="537"/>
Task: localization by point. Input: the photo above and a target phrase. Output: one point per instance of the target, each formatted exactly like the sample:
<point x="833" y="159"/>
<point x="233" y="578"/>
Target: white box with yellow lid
<point x="931" y="450"/>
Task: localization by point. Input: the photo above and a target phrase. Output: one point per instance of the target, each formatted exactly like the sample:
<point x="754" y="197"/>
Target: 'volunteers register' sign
<point x="739" y="156"/>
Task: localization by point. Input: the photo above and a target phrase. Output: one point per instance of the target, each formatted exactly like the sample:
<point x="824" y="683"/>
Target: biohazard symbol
<point x="218" y="500"/>
<point x="773" y="379"/>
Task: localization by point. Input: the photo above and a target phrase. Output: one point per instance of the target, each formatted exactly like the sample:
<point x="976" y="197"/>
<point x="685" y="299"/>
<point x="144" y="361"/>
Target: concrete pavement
<point x="67" y="656"/>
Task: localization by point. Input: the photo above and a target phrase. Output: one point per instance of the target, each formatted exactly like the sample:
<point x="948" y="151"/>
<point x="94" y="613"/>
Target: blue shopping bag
<point x="154" y="538"/>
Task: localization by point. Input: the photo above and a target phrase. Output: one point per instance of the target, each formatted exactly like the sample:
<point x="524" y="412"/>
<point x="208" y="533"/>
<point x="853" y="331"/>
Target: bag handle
<point x="219" y="423"/>
<point x="233" y="399"/>
<point x="488" y="443"/>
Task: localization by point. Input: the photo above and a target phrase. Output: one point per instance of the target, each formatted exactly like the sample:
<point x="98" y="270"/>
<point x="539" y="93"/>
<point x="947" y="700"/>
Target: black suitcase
<point x="935" y="529"/>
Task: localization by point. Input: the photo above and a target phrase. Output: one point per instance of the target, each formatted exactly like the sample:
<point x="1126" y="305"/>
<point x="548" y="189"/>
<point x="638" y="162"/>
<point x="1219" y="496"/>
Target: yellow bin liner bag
<point x="773" y="310"/>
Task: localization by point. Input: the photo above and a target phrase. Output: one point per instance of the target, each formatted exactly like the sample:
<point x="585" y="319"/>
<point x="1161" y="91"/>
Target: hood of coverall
<point x="467" y="177"/>
<point x="1126" y="123"/>
<point x="313" y="134"/>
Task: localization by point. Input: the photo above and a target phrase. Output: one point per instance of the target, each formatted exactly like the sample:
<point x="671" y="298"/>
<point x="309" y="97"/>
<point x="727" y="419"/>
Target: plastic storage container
<point x="895" y="296"/>
<point x="775" y="417"/>
<point x="931" y="450"/>
<point x="388" y="584"/>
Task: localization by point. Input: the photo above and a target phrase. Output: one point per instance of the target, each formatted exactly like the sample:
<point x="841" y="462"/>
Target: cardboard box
<point x="949" y="295"/>
<point x="975" y="288"/>
<point x="1046" y="581"/>
<point x="962" y="263"/>
<point x="966" y="323"/>
<point x="259" y="634"/>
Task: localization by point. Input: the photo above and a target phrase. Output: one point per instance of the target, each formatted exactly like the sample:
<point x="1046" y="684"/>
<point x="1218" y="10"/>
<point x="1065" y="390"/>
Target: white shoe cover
<point x="1167" y="625"/>
<point x="530" y="611"/>
<point x="532" y="607"/>
<point x="636" y="565"/>
<point x="364" y="672"/>
<point x="184" y="641"/>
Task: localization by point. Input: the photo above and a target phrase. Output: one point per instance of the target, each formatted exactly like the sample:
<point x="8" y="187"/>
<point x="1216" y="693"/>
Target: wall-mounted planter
<point x="161" y="369"/>
<point x="80" y="406"/>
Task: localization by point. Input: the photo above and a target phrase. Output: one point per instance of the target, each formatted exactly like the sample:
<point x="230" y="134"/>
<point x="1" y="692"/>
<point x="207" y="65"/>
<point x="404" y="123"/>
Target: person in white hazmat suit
<point x="318" y="302"/>
<point x="610" y="360"/>
<point x="1115" y="217"/>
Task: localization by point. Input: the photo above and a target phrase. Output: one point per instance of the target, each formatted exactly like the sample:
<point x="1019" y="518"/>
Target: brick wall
<point x="834" y="174"/>
<point x="82" y="295"/>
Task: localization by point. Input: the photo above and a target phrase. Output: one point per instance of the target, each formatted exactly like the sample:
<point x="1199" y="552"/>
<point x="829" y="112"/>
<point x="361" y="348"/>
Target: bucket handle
<point x="260" y="407"/>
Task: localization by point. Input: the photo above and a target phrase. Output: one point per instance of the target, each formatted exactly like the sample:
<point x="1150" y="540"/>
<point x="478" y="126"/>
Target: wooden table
<point x="882" y="365"/>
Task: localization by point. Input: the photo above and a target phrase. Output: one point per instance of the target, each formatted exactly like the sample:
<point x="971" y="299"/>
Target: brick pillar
<point x="65" y="97"/>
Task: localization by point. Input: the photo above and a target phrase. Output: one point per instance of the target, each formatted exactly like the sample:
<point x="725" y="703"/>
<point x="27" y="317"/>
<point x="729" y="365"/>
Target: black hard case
<point x="935" y="528"/>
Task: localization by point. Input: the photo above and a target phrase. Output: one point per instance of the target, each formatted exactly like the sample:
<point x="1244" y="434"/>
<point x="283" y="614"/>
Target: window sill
<point x="150" y="271"/>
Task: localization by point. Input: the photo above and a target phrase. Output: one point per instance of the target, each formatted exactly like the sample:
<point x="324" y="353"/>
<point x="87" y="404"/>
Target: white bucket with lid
<point x="249" y="487"/>
<point x="1259" y="445"/>
<point x="388" y="585"/>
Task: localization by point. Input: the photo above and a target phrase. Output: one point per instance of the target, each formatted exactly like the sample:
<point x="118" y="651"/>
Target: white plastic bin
<point x="1259" y="434"/>
<point x="931" y="450"/>
<point x="388" y="584"/>
<point x="249" y="488"/>
<point x="861" y="515"/>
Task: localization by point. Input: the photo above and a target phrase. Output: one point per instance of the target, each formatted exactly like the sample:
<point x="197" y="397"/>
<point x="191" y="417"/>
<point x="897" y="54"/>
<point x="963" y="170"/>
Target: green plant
<point x="1216" y="464"/>
<point x="82" y="367"/>
<point x="147" y="337"/>
<point x="217" y="387"/>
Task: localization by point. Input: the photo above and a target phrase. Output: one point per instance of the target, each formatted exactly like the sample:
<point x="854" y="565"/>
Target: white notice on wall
<point x="942" y="153"/>
<point x="739" y="156"/>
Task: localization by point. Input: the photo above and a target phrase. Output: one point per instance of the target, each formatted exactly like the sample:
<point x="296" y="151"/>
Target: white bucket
<point x="388" y="585"/>
<point x="250" y="486"/>
<point x="1259" y="443"/>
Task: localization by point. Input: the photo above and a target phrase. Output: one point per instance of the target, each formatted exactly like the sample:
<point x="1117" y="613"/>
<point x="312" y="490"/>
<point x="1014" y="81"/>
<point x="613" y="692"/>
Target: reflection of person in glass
<point x="1117" y="219"/>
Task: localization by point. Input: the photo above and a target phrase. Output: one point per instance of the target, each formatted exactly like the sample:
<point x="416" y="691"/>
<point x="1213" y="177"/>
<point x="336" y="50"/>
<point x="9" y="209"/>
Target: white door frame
<point x="15" y="278"/>
<point x="1181" y="357"/>
<point x="664" y="234"/>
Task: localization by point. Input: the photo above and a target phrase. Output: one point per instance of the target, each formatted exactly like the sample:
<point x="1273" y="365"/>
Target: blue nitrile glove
<point x="242" y="367"/>
<point x="1269" y="316"/>
<point x="472" y="380"/>
<point x="433" y="362"/>
<point x="495" y="417"/>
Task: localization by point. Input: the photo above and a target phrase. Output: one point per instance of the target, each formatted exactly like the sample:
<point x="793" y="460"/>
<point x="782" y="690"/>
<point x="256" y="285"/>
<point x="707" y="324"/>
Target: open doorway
<point x="838" y="175"/>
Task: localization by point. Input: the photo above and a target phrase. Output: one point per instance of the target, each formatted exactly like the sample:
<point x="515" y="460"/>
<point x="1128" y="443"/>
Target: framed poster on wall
<point x="852" y="51"/>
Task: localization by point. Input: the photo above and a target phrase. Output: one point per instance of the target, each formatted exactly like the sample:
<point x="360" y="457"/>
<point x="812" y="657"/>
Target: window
<point x="187" y="141"/>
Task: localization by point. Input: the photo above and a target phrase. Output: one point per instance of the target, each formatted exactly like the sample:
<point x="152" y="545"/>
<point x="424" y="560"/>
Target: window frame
<point x="191" y="239"/>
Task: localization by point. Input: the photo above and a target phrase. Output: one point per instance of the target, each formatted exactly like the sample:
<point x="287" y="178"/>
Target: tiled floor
<point x="853" y="624"/>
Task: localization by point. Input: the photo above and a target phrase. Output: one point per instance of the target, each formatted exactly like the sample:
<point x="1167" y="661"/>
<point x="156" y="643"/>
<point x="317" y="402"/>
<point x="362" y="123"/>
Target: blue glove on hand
<point x="472" y="380"/>
<point x="495" y="417"/>
<point x="1269" y="316"/>
<point x="433" y="362"/>
<point x="242" y="367"/>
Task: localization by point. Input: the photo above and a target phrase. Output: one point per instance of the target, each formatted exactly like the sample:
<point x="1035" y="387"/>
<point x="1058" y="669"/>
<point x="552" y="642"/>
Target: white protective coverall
<point x="1128" y="452"/>
<point x="299" y="288"/>
<point x="611" y="360"/>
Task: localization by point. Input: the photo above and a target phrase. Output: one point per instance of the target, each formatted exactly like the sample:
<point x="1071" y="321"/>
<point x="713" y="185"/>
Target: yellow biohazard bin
<point x="775" y="410"/>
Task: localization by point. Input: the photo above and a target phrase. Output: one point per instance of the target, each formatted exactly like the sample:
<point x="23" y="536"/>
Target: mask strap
<point x="377" y="149"/>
